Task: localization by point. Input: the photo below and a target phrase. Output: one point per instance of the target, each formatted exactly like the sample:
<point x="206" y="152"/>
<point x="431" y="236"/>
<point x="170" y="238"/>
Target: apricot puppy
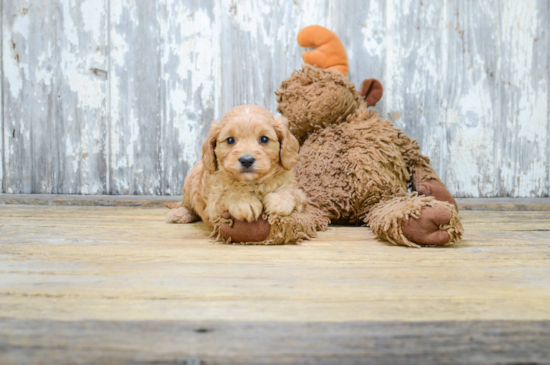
<point x="246" y="170"/>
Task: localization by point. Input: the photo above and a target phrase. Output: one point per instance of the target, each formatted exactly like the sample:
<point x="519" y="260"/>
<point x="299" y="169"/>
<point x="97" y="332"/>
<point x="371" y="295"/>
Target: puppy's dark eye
<point x="230" y="140"/>
<point x="264" y="139"/>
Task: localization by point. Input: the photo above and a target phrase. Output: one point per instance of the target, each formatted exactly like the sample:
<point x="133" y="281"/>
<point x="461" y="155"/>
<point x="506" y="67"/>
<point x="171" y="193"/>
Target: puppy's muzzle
<point x="247" y="161"/>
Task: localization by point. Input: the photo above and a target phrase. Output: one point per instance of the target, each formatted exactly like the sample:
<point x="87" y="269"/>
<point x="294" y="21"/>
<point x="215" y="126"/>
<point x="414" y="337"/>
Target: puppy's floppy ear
<point x="289" y="143"/>
<point x="208" y="148"/>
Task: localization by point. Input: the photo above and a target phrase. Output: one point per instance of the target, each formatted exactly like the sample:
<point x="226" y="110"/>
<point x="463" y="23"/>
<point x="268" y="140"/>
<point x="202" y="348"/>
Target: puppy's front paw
<point x="279" y="204"/>
<point x="248" y="210"/>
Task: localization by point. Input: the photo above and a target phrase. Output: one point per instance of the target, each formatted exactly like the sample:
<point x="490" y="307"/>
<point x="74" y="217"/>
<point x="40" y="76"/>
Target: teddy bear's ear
<point x="371" y="91"/>
<point x="208" y="148"/>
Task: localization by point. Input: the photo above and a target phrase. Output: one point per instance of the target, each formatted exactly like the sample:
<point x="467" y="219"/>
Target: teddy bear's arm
<point x="243" y="231"/>
<point x="424" y="179"/>
<point x="272" y="229"/>
<point x="431" y="187"/>
<point x="291" y="222"/>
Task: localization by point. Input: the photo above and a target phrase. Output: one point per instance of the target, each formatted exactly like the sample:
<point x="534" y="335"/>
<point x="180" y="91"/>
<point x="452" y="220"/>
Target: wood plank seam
<point x="2" y="134"/>
<point x="480" y="204"/>
<point x="108" y="163"/>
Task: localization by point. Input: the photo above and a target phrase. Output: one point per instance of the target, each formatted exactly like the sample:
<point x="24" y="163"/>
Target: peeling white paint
<point x="196" y="56"/>
<point x="93" y="16"/>
<point x="524" y="155"/>
<point x="69" y="27"/>
<point x="3" y="141"/>
<point x="89" y="90"/>
<point x="15" y="70"/>
<point x="469" y="79"/>
<point x="370" y="29"/>
<point x="55" y="104"/>
<point x="191" y="74"/>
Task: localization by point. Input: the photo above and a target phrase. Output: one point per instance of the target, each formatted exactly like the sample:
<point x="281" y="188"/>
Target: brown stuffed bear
<point x="355" y="167"/>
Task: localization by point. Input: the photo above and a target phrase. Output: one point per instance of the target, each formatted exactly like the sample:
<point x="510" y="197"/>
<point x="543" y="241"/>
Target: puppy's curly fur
<point x="246" y="170"/>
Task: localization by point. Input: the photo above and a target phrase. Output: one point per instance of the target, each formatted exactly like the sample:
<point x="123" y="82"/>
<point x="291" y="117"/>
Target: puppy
<point x="246" y="170"/>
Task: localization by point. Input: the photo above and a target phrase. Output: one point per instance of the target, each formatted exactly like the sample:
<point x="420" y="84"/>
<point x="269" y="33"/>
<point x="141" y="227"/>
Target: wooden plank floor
<point x="92" y="284"/>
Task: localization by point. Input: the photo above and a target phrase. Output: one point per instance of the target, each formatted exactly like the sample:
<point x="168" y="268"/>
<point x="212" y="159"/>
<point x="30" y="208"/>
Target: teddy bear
<point x="355" y="167"/>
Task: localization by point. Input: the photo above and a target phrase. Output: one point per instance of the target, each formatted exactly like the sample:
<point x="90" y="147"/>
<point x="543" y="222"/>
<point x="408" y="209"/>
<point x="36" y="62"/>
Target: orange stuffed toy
<point x="329" y="52"/>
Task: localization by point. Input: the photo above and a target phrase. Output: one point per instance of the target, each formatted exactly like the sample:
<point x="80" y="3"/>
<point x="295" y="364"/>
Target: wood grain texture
<point x="119" y="285"/>
<point x="259" y="48"/>
<point x="413" y="66"/>
<point x="363" y="28"/>
<point x="54" y="96"/>
<point x="2" y="149"/>
<point x="117" y="97"/>
<point x="523" y="145"/>
<point x="135" y="68"/>
<point x="241" y="342"/>
<point x="470" y="98"/>
<point x="144" y="201"/>
<point x="120" y="263"/>
<point x="190" y="85"/>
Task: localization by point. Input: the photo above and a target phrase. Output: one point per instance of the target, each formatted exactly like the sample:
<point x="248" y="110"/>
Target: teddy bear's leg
<point x="414" y="220"/>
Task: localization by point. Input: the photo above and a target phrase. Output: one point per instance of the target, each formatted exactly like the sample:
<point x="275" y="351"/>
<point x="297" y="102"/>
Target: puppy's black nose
<point x="247" y="161"/>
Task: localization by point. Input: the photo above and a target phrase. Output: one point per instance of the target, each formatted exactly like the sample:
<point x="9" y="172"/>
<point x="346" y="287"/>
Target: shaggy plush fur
<point x="355" y="167"/>
<point x="222" y="182"/>
<point x="315" y="98"/>
<point x="386" y="220"/>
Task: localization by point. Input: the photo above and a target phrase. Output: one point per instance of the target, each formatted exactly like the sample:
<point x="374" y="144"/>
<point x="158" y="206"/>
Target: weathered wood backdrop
<point x="116" y="96"/>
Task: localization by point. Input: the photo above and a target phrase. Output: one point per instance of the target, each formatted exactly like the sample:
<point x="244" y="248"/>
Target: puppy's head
<point x="250" y="144"/>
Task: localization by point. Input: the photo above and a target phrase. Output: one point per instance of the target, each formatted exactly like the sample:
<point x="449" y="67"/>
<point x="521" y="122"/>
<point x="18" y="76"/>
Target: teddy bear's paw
<point x="425" y="230"/>
<point x="181" y="215"/>
<point x="248" y="210"/>
<point x="437" y="190"/>
<point x="278" y="204"/>
<point x="242" y="231"/>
